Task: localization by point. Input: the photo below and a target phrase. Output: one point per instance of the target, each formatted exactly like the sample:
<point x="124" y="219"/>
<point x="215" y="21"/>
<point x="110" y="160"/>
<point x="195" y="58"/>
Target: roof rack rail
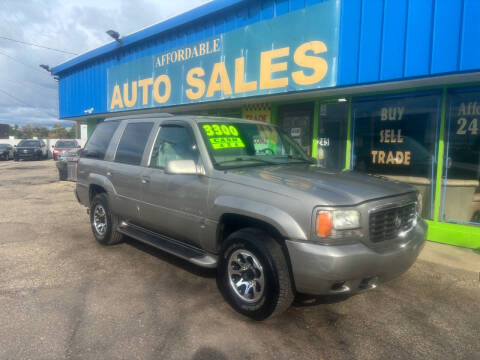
<point x="139" y="116"/>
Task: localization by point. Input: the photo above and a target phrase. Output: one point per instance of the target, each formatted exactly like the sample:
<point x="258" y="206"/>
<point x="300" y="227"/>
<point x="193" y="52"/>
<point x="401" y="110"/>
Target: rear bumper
<point x="322" y="270"/>
<point x="34" y="155"/>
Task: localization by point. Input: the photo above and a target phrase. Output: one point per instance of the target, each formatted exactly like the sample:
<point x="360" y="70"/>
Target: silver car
<point x="243" y="197"/>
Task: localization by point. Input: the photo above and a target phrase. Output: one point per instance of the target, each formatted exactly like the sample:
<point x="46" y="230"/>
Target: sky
<point x="29" y="94"/>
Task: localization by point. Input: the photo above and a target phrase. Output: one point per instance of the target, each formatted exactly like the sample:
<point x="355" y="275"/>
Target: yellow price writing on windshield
<point x="222" y="136"/>
<point x="220" y="130"/>
<point x="226" y="143"/>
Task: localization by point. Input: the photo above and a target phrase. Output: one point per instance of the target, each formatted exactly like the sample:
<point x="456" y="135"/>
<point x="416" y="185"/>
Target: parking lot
<point x="64" y="296"/>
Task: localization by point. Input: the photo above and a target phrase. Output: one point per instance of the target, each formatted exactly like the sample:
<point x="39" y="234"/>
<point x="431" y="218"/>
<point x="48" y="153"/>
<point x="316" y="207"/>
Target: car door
<point x="125" y="172"/>
<point x="174" y="205"/>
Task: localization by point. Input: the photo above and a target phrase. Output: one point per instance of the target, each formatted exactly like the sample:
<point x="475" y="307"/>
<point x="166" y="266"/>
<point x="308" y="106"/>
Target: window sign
<point x="461" y="193"/>
<point x="223" y="136"/>
<point x="396" y="138"/>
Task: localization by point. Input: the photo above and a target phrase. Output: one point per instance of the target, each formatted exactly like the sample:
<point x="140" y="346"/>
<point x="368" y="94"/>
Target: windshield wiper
<point x="291" y="157"/>
<point x="247" y="159"/>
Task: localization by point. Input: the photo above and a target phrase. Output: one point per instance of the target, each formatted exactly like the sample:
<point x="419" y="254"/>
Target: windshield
<point x="29" y="143"/>
<point x="239" y="144"/>
<point x="65" y="144"/>
<point x="4" y="146"/>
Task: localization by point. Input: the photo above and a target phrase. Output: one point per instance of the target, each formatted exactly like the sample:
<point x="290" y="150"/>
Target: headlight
<point x="328" y="221"/>
<point x="346" y="219"/>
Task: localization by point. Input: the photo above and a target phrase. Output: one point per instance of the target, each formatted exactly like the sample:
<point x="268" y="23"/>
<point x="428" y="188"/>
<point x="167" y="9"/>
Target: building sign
<point x="258" y="112"/>
<point x="294" y="52"/>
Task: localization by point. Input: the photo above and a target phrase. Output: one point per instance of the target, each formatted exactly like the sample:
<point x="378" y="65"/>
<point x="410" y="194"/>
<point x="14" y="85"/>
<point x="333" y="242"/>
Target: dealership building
<point x="387" y="87"/>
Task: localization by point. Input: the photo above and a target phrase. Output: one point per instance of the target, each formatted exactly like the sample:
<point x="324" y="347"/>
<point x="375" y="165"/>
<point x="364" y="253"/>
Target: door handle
<point x="145" y="180"/>
<point x="109" y="173"/>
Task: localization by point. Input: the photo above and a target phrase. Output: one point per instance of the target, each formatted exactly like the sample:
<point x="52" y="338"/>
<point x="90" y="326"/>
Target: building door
<point x="297" y="121"/>
<point x="332" y="135"/>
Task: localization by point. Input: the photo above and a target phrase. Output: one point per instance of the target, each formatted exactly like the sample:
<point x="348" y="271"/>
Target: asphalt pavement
<point x="62" y="295"/>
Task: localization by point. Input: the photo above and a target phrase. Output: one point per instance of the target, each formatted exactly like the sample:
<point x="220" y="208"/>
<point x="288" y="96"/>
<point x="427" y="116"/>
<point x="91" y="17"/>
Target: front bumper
<point x="325" y="269"/>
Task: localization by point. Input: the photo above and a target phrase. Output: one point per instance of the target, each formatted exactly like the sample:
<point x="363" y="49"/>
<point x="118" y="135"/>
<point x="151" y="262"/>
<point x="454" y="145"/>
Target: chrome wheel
<point x="100" y="220"/>
<point x="245" y="274"/>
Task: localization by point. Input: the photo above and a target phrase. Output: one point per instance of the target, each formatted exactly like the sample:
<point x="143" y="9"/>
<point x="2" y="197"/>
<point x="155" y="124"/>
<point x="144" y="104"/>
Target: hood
<point x="331" y="188"/>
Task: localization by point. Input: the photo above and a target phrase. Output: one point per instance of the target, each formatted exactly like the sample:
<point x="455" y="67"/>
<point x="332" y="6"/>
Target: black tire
<point x="110" y="236"/>
<point x="278" y="293"/>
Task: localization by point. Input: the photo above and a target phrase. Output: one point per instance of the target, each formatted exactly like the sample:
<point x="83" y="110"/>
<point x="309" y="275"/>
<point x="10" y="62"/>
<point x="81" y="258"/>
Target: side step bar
<point x="189" y="253"/>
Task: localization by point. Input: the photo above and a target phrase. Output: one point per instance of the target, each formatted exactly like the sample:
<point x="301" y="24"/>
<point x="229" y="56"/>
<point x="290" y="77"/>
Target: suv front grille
<point x="388" y="224"/>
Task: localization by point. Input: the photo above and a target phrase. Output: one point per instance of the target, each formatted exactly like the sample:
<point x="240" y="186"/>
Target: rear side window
<point x="98" y="143"/>
<point x="132" y="144"/>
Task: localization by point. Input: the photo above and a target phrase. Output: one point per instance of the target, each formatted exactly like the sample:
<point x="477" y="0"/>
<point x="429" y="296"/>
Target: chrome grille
<point x="389" y="223"/>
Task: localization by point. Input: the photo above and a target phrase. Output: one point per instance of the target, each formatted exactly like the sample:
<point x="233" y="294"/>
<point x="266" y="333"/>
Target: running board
<point x="189" y="253"/>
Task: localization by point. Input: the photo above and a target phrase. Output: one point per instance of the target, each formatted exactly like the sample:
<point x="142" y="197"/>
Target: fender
<point x="103" y="181"/>
<point x="282" y="221"/>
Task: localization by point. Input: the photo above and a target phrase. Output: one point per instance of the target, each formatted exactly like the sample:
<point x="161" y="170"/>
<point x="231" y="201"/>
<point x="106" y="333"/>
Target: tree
<point x="13" y="130"/>
<point x="71" y="133"/>
<point x="26" y="132"/>
<point x="58" y="132"/>
<point x="40" y="132"/>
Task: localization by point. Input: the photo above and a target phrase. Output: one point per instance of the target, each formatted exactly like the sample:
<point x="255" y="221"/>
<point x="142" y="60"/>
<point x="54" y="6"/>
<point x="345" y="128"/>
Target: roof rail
<point x="139" y="116"/>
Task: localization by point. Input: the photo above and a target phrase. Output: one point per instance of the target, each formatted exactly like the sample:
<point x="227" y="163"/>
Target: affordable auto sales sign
<point x="294" y="52"/>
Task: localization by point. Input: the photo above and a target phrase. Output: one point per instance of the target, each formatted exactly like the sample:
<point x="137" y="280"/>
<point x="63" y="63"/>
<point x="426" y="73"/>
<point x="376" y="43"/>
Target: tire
<point x="276" y="295"/>
<point x="110" y="235"/>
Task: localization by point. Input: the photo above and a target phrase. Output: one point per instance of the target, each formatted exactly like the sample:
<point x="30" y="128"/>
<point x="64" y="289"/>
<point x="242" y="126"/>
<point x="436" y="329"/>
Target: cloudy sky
<point x="28" y="94"/>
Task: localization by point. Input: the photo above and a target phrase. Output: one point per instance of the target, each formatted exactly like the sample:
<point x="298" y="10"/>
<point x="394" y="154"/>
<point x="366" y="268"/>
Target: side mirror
<point x="14" y="145"/>
<point x="79" y="146"/>
<point x="182" y="167"/>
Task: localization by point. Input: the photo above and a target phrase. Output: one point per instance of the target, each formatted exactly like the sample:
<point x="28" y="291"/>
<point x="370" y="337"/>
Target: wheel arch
<point x="276" y="221"/>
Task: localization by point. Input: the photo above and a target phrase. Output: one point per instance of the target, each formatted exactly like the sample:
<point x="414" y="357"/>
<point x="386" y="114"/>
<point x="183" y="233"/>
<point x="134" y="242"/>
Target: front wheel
<point x="103" y="222"/>
<point x="253" y="274"/>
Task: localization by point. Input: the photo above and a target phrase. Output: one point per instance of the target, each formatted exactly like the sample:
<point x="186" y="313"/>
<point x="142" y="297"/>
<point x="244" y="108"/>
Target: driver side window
<point x="174" y="142"/>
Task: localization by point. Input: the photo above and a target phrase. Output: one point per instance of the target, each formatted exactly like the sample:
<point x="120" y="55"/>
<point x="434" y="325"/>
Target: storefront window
<point x="297" y="121"/>
<point x="332" y="135"/>
<point x="460" y="185"/>
<point x="396" y="137"/>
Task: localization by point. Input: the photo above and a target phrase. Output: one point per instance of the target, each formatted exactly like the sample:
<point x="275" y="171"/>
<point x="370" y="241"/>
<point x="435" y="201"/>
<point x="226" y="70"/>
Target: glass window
<point x="461" y="193"/>
<point x="66" y="144"/>
<point x="29" y="143"/>
<point x="239" y="144"/>
<point x="332" y="135"/>
<point x="297" y="121"/>
<point x="396" y="138"/>
<point x="132" y="144"/>
<point x="173" y="143"/>
<point x="97" y="145"/>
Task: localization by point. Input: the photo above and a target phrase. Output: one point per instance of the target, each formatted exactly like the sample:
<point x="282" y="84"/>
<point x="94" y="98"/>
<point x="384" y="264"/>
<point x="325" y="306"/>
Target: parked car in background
<point x="63" y="145"/>
<point x="67" y="165"/>
<point x="30" y="149"/>
<point x="6" y="151"/>
<point x="243" y="197"/>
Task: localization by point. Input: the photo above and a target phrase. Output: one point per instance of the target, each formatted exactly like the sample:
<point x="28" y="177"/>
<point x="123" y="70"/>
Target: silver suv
<point x="243" y="197"/>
